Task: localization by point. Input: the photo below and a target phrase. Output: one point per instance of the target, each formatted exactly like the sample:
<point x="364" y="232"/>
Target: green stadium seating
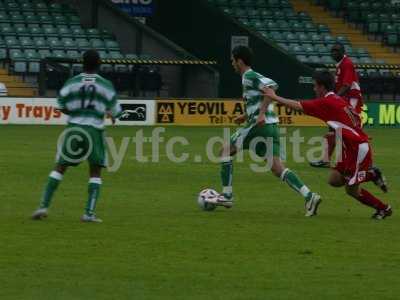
<point x="26" y="42"/>
<point x="83" y="44"/>
<point x="50" y="31"/>
<point x="64" y="31"/>
<point x="131" y="56"/>
<point x="68" y="43"/>
<point x="78" y="32"/>
<point x="98" y="44"/>
<point x="92" y="33"/>
<point x="73" y="54"/>
<point x="55" y="7"/>
<point x="32" y="19"/>
<point x="40" y="6"/>
<point x="115" y="55"/>
<point x="45" y="19"/>
<point x="40" y="43"/>
<point x="17" y="18"/>
<point x="60" y="20"/>
<point x="33" y="59"/>
<point x="4" y="18"/>
<point x="43" y="53"/>
<point x="55" y="43"/>
<point x="18" y="57"/>
<point x="12" y="42"/>
<point x="58" y="54"/>
<point x="12" y="6"/>
<point x="27" y="7"/>
<point x="103" y="54"/>
<point x="112" y="45"/>
<point x="3" y="53"/>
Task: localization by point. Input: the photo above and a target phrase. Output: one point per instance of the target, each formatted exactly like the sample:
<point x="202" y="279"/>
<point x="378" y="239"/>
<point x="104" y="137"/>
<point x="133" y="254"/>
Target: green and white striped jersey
<point x="253" y="82"/>
<point x="87" y="98"/>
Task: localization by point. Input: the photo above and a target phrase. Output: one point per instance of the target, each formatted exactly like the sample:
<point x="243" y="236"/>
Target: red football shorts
<point x="355" y="162"/>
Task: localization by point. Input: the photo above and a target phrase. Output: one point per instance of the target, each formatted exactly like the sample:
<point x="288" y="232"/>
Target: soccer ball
<point x="204" y="196"/>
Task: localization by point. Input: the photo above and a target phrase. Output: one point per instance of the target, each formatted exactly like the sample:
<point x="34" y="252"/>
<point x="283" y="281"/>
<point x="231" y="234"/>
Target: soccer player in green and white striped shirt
<point x="260" y="122"/>
<point x="87" y="99"/>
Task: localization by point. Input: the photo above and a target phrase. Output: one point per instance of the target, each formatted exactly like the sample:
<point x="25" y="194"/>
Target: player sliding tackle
<point x="86" y="98"/>
<point x="260" y="123"/>
<point x="354" y="168"/>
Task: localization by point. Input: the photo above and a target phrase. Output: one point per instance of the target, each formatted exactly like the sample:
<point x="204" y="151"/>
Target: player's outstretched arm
<point x="270" y="93"/>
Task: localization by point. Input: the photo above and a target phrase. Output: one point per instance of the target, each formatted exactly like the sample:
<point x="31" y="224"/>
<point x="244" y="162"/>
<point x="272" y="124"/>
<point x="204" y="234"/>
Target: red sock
<point x="370" y="200"/>
<point x="331" y="141"/>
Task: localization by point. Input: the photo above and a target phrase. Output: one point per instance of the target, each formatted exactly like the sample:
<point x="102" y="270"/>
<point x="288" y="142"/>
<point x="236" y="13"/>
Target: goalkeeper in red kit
<point x="347" y="86"/>
<point x="354" y="167"/>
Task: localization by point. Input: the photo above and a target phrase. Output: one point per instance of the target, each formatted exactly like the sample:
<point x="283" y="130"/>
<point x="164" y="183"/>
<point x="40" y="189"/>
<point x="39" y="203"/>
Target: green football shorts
<point x="78" y="143"/>
<point x="264" y="140"/>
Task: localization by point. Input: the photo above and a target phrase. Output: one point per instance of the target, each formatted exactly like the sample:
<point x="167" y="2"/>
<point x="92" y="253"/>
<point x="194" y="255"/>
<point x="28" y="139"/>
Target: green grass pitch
<point x="155" y="243"/>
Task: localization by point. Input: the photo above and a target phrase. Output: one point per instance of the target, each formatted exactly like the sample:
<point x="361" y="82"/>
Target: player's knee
<point x="335" y="182"/>
<point x="352" y="191"/>
<point x="277" y="167"/>
<point x="227" y="151"/>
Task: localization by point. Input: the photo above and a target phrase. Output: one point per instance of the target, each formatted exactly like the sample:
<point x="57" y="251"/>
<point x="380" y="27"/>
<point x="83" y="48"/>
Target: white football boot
<point x="91" y="219"/>
<point x="40" y="214"/>
<point x="312" y="205"/>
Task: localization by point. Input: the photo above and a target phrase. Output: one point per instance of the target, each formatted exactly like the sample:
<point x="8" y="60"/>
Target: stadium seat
<point x="103" y="54"/>
<point x="92" y="33"/>
<point x="73" y="54"/>
<point x="27" y="6"/>
<point x="50" y="31"/>
<point x="3" y="53"/>
<point x="78" y="32"/>
<point x="26" y="42"/>
<point x="4" y="18"/>
<point x="45" y="19"/>
<point x="55" y="43"/>
<point x="98" y="44"/>
<point x="40" y="43"/>
<point x="68" y="43"/>
<point x="33" y="60"/>
<point x="60" y="20"/>
<point x="58" y="54"/>
<point x="19" y="60"/>
<point x="44" y="53"/>
<point x="12" y="6"/>
<point x="29" y="19"/>
<point x="112" y="45"/>
<point x="40" y="6"/>
<point x="115" y="55"/>
<point x="35" y="31"/>
<point x="55" y="7"/>
<point x="74" y="20"/>
<point x="83" y="44"/>
<point x="131" y="56"/>
<point x="12" y="42"/>
<point x="64" y="31"/>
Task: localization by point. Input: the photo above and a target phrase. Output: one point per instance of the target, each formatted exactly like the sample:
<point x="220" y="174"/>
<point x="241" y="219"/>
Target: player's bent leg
<point x="378" y="178"/>
<point x="363" y="196"/>
<point x="93" y="194"/>
<point x="53" y="182"/>
<point x="312" y="200"/>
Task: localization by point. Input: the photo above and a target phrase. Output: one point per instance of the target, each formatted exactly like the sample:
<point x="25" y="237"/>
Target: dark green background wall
<point x="206" y="32"/>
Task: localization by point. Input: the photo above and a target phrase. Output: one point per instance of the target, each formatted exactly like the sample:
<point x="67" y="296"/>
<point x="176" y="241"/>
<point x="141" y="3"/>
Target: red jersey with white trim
<point x="347" y="75"/>
<point x="339" y="115"/>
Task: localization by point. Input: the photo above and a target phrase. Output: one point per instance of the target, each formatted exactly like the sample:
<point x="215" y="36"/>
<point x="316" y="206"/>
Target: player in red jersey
<point x="347" y="86"/>
<point x="354" y="167"/>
